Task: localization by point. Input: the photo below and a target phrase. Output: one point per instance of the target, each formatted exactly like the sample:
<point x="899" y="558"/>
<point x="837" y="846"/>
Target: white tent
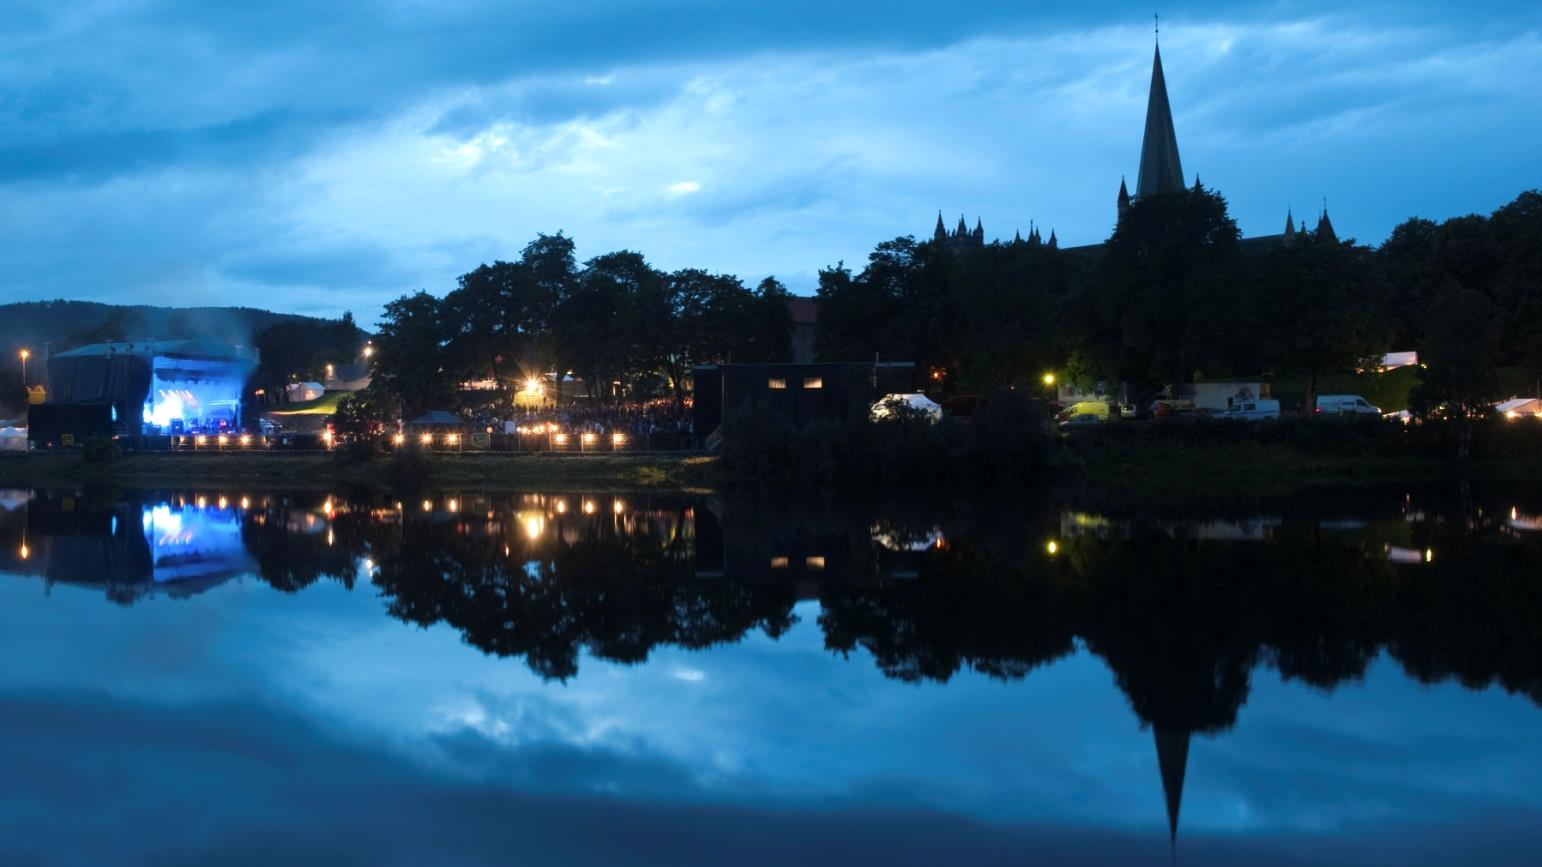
<point x="914" y="402"/>
<point x="1516" y="407"/>
<point x="299" y="392"/>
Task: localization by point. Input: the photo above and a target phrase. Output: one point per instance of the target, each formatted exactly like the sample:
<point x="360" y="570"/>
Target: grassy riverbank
<point x="305" y="471"/>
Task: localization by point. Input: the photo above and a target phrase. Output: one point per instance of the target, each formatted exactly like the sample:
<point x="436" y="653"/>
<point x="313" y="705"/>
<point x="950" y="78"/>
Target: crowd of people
<point x="632" y="418"/>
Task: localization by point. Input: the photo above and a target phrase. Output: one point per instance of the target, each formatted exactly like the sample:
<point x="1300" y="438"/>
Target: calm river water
<point x="247" y="678"/>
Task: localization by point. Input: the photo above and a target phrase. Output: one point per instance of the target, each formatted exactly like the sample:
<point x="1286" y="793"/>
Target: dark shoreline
<point x="1153" y="474"/>
<point x="320" y="471"/>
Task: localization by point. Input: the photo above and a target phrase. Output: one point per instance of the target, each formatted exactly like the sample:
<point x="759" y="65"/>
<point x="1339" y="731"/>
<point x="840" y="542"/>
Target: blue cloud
<point x="159" y="148"/>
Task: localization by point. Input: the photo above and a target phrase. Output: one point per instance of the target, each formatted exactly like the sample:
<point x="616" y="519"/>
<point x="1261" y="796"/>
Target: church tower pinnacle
<point x="1160" y="169"/>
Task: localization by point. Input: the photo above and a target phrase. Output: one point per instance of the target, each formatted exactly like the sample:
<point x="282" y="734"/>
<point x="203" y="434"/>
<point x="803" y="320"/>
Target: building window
<point x="778" y="562"/>
<point x="813" y="382"/>
<point x="814" y="562"/>
<point x="776" y="384"/>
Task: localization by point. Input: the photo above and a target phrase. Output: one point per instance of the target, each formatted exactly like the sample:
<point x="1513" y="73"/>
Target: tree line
<point x="616" y="324"/>
<point x="1176" y="294"/>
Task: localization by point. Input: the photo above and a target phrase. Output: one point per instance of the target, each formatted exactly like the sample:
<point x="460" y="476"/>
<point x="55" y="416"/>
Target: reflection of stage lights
<point x="588" y="507"/>
<point x="428" y="505"/>
<point x="561" y="506"/>
<point x="534" y="525"/>
<point x="618" y="506"/>
<point x="453" y="505"/>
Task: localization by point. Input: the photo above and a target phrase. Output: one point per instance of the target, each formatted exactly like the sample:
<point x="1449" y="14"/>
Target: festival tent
<point x="1516" y="407"/>
<point x="913" y="402"/>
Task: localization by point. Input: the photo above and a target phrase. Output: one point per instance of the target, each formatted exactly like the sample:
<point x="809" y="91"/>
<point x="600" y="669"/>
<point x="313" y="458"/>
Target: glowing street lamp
<point x="1049" y="379"/>
<point x="24" y="354"/>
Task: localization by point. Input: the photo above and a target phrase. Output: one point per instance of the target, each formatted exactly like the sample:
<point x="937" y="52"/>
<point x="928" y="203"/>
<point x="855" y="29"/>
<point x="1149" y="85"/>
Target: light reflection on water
<point x="1365" y="670"/>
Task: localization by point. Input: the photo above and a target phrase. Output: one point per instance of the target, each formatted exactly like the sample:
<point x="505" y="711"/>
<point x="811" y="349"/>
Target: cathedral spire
<point x="1053" y="244"/>
<point x="941" y="231"/>
<point x="1160" y="169"/>
<point x="1325" y="225"/>
<point x="1290" y="224"/>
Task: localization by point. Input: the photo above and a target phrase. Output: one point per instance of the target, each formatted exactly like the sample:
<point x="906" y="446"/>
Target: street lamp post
<point x="25" y="354"/>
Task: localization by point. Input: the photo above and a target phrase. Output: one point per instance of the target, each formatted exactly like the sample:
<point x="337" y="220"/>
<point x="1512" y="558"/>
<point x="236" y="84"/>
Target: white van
<point x="1252" y="410"/>
<point x="1345" y="404"/>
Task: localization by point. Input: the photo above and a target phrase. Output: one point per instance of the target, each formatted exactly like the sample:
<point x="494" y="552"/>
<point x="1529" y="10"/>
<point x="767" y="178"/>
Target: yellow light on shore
<point x="25" y="551"/>
<point x="25" y="354"/>
<point x="560" y="439"/>
<point x="451" y="439"/>
<point x="588" y="438"/>
<point x="246" y="439"/>
<point x="588" y="507"/>
<point x="428" y="505"/>
<point x="617" y="439"/>
<point x="200" y="440"/>
<point x="398" y="439"/>
<point x="426" y="439"/>
<point x="1429" y="555"/>
<point x="224" y="440"/>
<point x="1049" y="379"/>
<point x="1052" y="547"/>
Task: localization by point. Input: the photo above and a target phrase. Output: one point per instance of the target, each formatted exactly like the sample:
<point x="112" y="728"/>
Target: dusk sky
<point x="288" y="156"/>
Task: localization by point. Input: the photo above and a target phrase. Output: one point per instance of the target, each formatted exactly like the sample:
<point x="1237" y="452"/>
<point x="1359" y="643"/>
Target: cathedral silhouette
<point x="1160" y="173"/>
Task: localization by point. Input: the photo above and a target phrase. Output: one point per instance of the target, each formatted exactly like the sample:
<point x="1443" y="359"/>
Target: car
<point x="1252" y="410"/>
<point x="1081" y="421"/>
<point x="1096" y="408"/>
<point x="1169" y="408"/>
<point x="1345" y="404"/>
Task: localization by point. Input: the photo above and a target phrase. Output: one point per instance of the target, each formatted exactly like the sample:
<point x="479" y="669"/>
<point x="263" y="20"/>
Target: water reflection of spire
<point x="1172" y="746"/>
